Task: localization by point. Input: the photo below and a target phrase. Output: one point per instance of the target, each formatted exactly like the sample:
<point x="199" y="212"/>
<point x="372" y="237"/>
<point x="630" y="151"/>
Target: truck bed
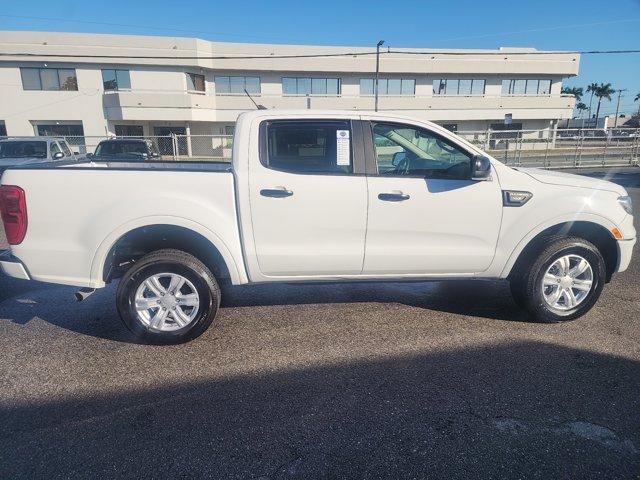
<point x="78" y="210"/>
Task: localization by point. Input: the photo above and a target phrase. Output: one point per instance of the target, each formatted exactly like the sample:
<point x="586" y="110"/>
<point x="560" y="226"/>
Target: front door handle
<point x="277" y="192"/>
<point x="393" y="196"/>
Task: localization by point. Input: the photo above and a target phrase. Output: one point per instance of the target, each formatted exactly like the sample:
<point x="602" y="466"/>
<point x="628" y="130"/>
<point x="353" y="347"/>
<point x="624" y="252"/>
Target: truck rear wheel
<point x="563" y="282"/>
<point x="168" y="297"/>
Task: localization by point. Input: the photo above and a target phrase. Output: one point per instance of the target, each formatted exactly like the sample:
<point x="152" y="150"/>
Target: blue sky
<point x="565" y="25"/>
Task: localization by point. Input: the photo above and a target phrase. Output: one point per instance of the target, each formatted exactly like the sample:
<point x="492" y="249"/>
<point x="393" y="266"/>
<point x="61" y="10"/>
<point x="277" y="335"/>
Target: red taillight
<point x="13" y="208"/>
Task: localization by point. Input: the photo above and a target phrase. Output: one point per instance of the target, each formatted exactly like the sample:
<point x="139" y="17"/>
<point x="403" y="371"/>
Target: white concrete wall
<point x="158" y="91"/>
<point x="19" y="108"/>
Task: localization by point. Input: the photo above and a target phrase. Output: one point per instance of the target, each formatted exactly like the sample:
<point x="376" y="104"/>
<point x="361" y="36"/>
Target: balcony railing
<point x="143" y="91"/>
<point x="202" y="106"/>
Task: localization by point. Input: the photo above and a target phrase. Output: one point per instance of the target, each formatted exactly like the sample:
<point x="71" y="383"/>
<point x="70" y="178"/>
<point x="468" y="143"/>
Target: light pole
<point x="615" y="121"/>
<point x="375" y="86"/>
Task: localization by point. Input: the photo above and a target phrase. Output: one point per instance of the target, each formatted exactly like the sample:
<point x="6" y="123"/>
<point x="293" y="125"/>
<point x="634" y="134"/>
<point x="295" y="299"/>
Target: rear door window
<point x="308" y="146"/>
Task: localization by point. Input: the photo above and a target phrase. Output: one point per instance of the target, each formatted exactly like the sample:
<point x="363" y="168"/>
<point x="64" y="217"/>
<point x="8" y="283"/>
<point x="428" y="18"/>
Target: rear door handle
<point x="393" y="197"/>
<point x="277" y="192"/>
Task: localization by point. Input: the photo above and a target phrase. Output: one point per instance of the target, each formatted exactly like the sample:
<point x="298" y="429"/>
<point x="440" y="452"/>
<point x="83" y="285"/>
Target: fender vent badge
<point x="515" y="198"/>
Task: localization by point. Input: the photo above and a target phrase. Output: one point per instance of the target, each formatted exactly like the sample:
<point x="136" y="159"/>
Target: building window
<point x="64" y="130"/>
<point x="116" y="79"/>
<point x="237" y="85"/>
<point x="452" y="127"/>
<point x="129" y="130"/>
<point x="49" y="79"/>
<point x="3" y="130"/>
<point x="388" y="86"/>
<point x="466" y="86"/>
<point x="73" y="133"/>
<point x="526" y="87"/>
<point x="310" y="86"/>
<point x="195" y="82"/>
<point x="504" y="131"/>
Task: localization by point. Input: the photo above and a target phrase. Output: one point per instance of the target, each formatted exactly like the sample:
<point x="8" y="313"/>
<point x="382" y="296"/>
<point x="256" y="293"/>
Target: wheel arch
<point x="595" y="232"/>
<point x="134" y="239"/>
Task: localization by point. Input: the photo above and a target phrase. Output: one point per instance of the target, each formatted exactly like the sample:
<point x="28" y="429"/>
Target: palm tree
<point x="575" y="91"/>
<point x="591" y="89"/>
<point x="603" y="90"/>
<point x="581" y="107"/>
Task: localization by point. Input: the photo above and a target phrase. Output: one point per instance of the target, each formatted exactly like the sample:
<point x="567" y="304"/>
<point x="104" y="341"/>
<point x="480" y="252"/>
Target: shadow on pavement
<point x="523" y="410"/>
<point x="487" y="299"/>
<point x="22" y="301"/>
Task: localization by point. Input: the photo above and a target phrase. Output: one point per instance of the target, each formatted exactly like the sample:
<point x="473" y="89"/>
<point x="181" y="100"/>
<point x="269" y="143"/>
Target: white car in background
<point x="16" y="151"/>
<point x="312" y="196"/>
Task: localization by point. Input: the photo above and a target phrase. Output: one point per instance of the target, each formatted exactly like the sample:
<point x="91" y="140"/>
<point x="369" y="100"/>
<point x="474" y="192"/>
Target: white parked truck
<point x="26" y="150"/>
<point x="313" y="196"/>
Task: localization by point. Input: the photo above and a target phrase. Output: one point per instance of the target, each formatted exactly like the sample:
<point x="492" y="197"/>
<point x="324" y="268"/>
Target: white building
<point x="108" y="87"/>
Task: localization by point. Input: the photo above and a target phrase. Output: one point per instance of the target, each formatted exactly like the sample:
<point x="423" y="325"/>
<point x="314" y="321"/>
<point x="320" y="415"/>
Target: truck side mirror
<point x="57" y="155"/>
<point x="480" y="168"/>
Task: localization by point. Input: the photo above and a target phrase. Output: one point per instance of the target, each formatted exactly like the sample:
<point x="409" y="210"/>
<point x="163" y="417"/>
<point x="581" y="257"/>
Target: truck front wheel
<point x="168" y="297"/>
<point x="562" y="282"/>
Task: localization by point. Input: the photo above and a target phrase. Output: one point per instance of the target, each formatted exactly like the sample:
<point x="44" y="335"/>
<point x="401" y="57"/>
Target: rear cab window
<point x="308" y="146"/>
<point x="122" y="148"/>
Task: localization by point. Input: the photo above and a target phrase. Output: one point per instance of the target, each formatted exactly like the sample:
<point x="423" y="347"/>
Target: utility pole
<point x="375" y="86"/>
<point x="615" y="122"/>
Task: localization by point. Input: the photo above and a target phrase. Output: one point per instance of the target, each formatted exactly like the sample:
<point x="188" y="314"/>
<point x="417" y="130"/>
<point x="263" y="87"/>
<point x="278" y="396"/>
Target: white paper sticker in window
<point x="343" y="147"/>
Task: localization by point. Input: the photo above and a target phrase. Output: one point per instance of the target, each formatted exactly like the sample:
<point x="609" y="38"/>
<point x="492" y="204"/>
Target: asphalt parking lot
<point x="416" y="380"/>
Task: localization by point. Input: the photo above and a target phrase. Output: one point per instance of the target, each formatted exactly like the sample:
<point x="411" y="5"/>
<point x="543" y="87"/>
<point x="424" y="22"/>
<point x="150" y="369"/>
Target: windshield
<point x="122" y="148"/>
<point x="23" y="149"/>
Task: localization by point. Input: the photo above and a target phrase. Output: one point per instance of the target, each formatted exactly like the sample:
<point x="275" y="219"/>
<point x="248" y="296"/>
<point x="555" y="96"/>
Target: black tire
<point x="526" y="284"/>
<point x="168" y="261"/>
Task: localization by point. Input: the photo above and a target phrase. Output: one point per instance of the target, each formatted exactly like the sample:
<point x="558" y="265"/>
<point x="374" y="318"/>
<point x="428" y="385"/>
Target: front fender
<point x="512" y="256"/>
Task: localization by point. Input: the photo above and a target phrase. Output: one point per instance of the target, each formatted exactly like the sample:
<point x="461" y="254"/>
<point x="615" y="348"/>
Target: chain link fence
<point x="570" y="148"/>
<point x="552" y="149"/>
<point x="191" y="148"/>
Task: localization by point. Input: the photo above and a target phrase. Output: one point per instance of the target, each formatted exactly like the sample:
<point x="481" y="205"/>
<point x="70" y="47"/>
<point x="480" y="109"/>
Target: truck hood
<point x="571" y="180"/>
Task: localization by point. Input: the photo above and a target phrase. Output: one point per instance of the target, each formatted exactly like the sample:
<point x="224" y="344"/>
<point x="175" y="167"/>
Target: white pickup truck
<point x="314" y="196"/>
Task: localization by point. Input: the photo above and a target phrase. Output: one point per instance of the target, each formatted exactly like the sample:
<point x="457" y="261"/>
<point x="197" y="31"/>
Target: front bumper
<point x="13" y="267"/>
<point x="625" y="249"/>
<point x="626" y="244"/>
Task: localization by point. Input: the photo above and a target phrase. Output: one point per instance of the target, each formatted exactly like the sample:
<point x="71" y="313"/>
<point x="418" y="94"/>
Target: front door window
<point x="405" y="150"/>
